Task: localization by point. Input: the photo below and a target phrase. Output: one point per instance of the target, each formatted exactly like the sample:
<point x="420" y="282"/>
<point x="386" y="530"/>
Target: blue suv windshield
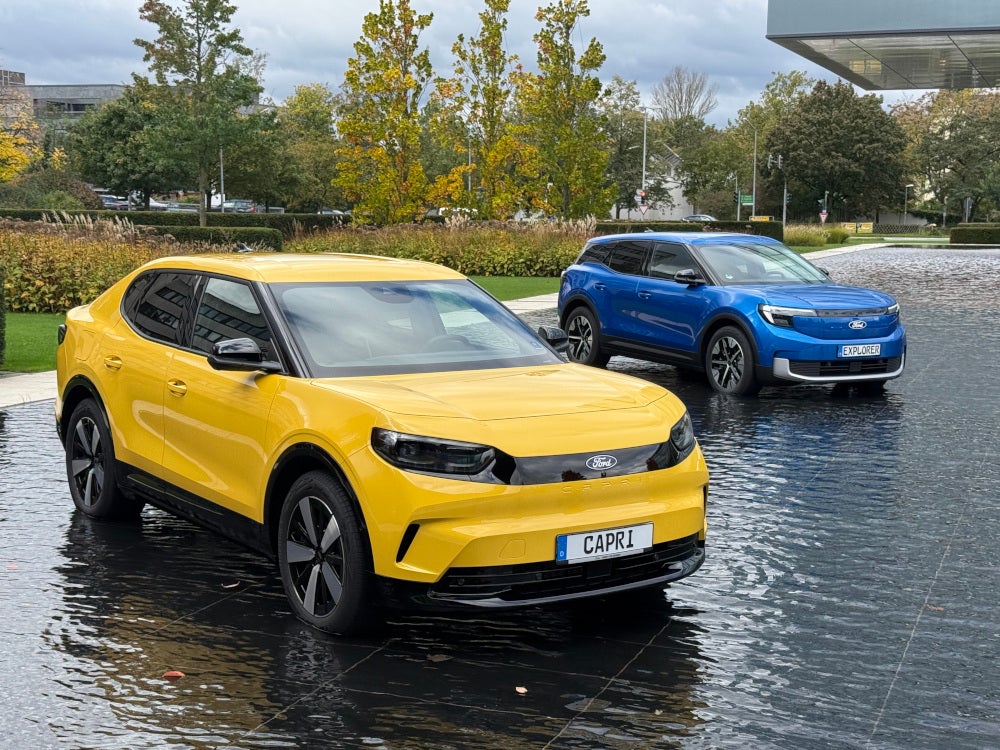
<point x="758" y="264"/>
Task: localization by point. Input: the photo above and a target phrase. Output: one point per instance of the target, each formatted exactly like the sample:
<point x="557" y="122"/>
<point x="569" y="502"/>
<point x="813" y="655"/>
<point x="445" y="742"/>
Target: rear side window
<point x="158" y="303"/>
<point x="594" y="253"/>
<point x="628" y="256"/>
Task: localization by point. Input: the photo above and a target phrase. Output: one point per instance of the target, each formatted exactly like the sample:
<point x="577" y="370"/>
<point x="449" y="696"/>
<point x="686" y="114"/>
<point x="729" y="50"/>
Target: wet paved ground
<point x="850" y="598"/>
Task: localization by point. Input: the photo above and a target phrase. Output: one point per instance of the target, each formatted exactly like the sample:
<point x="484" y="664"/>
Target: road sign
<point x="746" y="200"/>
<point x="822" y="216"/>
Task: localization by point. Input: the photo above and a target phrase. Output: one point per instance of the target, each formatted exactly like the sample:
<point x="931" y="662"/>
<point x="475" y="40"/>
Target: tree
<point x="20" y="136"/>
<point x="684" y="93"/>
<point x="955" y="144"/>
<point x="624" y="122"/>
<point x="109" y="146"/>
<point x="561" y="118"/>
<point x="306" y="121"/>
<point x="383" y="87"/>
<point x="834" y="142"/>
<point x="204" y="76"/>
<point x="482" y="90"/>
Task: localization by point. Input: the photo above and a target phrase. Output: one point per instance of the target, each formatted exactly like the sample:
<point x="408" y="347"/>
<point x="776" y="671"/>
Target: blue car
<point x="746" y="311"/>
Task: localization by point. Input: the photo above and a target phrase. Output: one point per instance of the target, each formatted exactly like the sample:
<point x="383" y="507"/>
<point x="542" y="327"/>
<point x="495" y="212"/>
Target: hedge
<point x="3" y="316"/>
<point x="975" y="234"/>
<point x="231" y="236"/>
<point x="287" y="224"/>
<point x="773" y="229"/>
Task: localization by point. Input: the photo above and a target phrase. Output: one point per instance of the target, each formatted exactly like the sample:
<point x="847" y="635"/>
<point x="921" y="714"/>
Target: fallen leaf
<point x="173" y="675"/>
<point x="230" y="585"/>
<point x="438" y="657"/>
<point x="935" y="609"/>
<point x="521" y="690"/>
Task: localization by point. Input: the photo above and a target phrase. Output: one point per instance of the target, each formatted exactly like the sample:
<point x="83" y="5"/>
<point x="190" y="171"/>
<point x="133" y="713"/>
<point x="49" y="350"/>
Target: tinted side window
<point x="228" y="310"/>
<point x="594" y="253"/>
<point x="628" y="257"/>
<point x="668" y="259"/>
<point x="157" y="303"/>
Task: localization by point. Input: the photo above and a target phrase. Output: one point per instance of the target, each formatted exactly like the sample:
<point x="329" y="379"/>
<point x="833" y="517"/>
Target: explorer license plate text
<point x="596" y="545"/>
<point x="860" y="350"/>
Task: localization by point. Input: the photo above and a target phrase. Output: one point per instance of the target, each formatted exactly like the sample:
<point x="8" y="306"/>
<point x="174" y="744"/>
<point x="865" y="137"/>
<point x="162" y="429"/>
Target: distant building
<point x="61" y="101"/>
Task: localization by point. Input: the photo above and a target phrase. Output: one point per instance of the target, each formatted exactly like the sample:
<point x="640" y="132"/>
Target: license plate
<point x="597" y="545"/>
<point x="860" y="350"/>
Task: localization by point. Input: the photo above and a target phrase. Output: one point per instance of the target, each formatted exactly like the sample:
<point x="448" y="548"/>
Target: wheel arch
<point x="571" y="304"/>
<point x="293" y="463"/>
<point x="78" y="389"/>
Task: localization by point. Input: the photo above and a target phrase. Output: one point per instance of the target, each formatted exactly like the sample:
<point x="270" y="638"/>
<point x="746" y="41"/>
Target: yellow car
<point x="385" y="429"/>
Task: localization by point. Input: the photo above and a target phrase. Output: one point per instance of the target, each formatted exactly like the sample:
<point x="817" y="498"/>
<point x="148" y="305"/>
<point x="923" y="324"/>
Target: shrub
<point x="807" y="235"/>
<point x="836" y="235"/>
<point x="51" y="267"/>
<point x="42" y="189"/>
<point x="3" y="314"/>
<point x="256" y="237"/>
<point x="975" y="234"/>
<point x="476" y="249"/>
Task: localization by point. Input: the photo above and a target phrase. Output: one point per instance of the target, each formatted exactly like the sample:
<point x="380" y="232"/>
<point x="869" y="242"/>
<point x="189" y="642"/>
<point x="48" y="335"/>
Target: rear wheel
<point x="323" y="556"/>
<point x="90" y="466"/>
<point x="729" y="363"/>
<point x="584" y="334"/>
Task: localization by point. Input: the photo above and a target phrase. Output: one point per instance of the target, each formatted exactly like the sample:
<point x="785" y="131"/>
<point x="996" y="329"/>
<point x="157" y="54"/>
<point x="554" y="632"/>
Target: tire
<point x="584" y="334"/>
<point x="871" y="388"/>
<point x="91" y="468"/>
<point x="323" y="557"/>
<point x="729" y="363"/>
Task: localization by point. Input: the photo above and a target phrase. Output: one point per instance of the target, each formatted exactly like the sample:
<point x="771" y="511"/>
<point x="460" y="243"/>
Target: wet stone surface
<point x="850" y="597"/>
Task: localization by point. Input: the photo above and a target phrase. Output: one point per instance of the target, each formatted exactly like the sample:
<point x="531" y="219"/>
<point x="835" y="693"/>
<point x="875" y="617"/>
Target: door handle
<point x="644" y="294"/>
<point x="112" y="362"/>
<point x="600" y="287"/>
<point x="177" y="387"/>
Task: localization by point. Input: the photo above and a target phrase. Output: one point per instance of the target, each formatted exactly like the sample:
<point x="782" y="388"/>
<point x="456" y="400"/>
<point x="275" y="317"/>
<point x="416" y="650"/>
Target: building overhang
<point x="894" y="44"/>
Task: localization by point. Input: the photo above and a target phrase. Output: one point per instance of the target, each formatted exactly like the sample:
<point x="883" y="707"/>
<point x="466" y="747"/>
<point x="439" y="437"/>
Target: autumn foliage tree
<point x="559" y="106"/>
<point x="380" y="167"/>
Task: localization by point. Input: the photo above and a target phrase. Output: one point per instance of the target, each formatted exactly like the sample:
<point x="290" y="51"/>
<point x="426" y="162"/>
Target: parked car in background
<point x="114" y="202"/>
<point x="384" y="429"/>
<point x="745" y="310"/>
<point x="239" y="206"/>
<point x="699" y="218"/>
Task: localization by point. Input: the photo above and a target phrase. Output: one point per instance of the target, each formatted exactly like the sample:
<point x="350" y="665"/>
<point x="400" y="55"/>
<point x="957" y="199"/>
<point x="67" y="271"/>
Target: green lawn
<point x="31" y="342"/>
<point x="31" y="337"/>
<point x="507" y="287"/>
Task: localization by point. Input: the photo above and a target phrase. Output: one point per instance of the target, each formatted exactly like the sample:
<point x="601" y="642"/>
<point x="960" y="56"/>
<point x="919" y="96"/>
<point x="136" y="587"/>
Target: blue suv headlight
<point x="782" y="316"/>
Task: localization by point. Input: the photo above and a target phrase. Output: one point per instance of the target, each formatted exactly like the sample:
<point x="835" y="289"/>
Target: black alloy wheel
<point x="323" y="557"/>
<point x="584" y="334"/>
<point x="729" y="363"/>
<point x="90" y="466"/>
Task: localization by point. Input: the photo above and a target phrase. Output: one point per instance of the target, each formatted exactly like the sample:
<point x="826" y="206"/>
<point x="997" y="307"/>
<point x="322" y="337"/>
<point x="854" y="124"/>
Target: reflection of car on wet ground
<point x="384" y="428"/>
<point x="746" y="310"/>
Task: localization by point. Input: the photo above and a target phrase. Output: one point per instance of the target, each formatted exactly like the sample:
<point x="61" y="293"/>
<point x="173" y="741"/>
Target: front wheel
<point x="729" y="363"/>
<point x="584" y="334"/>
<point x="323" y="556"/>
<point x="90" y="466"/>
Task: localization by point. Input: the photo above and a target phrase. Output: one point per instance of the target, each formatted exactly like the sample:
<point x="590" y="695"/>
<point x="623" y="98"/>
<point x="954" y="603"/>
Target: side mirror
<point x="240" y="354"/>
<point x="554" y="337"/>
<point x="688" y="276"/>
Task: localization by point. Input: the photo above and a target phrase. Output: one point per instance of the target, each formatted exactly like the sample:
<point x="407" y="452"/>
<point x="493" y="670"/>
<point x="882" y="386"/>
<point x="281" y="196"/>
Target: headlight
<point x="892" y="309"/>
<point x="782" y="316"/>
<point x="682" y="437"/>
<point x="431" y="455"/>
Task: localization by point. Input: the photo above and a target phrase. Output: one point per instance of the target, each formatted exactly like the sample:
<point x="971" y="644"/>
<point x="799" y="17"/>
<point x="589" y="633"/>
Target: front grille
<point x="536" y="581"/>
<point x="840" y="367"/>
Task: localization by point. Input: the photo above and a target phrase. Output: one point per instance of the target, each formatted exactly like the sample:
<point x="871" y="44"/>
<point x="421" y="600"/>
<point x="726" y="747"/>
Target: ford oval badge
<point x="601" y="463"/>
<point x="857" y="325"/>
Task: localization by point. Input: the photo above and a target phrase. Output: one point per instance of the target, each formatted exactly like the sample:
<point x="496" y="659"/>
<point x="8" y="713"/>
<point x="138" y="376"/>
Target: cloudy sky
<point x="309" y="41"/>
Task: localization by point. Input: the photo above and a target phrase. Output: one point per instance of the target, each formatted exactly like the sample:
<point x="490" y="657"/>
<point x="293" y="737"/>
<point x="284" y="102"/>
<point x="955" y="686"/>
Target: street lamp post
<point x="905" y="190"/>
<point x="753" y="209"/>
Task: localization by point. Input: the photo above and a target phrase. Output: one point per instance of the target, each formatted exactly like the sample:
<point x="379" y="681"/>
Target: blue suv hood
<point x="830" y="296"/>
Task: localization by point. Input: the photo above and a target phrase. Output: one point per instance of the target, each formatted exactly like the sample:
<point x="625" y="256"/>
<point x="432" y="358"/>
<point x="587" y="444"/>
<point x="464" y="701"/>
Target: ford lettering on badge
<point x="601" y="463"/>
<point x="857" y="325"/>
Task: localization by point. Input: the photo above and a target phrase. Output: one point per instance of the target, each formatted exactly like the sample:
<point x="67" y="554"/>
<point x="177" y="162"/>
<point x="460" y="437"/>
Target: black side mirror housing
<point x="241" y="354"/>
<point x="554" y="337"/>
<point x="688" y="276"/>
